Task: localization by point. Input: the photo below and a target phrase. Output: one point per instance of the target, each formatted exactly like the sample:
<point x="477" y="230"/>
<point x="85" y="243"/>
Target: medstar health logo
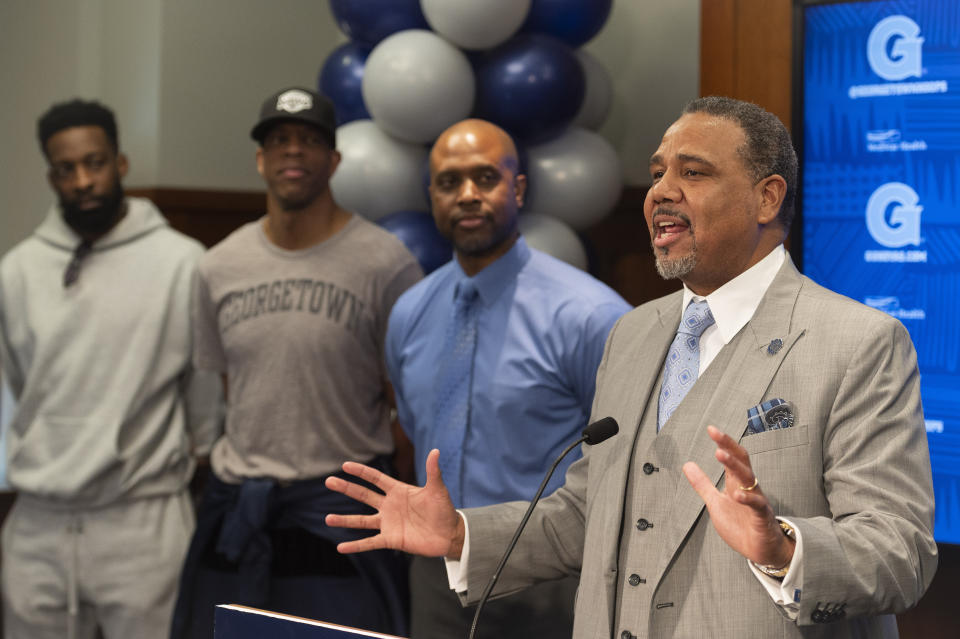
<point x="904" y="59"/>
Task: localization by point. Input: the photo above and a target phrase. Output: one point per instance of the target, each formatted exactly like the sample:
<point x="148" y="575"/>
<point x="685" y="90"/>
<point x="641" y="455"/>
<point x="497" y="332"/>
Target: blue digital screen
<point x="881" y="189"/>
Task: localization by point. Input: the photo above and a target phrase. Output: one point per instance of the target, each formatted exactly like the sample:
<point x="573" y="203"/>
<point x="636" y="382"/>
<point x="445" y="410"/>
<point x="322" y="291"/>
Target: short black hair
<point x="768" y="151"/>
<point x="77" y="112"/>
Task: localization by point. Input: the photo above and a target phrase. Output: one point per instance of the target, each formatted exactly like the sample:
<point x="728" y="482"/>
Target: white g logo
<point x="905" y="55"/>
<point x="904" y="226"/>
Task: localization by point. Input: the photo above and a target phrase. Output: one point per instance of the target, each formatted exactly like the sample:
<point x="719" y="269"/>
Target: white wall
<point x="221" y="59"/>
<point x="187" y="78"/>
<point x="127" y="62"/>
<point x="39" y="62"/>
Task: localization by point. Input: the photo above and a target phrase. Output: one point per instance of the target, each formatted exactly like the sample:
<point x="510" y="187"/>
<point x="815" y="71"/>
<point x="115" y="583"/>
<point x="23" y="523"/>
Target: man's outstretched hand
<point x="741" y="513"/>
<point x="421" y="521"/>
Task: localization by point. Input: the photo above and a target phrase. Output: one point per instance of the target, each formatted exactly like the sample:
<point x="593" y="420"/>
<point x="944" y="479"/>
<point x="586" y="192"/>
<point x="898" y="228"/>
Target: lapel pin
<point x="775" y="345"/>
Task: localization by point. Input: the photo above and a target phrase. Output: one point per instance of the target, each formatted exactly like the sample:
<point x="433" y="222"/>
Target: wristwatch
<point x="773" y="571"/>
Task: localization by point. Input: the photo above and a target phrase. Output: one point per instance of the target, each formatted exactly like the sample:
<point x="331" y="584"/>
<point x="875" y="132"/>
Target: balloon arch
<point x="414" y="67"/>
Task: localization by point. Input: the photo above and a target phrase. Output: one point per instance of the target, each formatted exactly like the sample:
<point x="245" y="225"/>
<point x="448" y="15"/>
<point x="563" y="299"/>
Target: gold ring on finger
<point x="747" y="489"/>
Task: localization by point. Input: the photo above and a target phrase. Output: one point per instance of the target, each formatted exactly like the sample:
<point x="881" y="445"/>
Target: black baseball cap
<point x="297" y="104"/>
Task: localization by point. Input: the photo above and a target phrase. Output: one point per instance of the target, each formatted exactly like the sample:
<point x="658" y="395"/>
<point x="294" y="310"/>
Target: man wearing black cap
<point x="292" y="310"/>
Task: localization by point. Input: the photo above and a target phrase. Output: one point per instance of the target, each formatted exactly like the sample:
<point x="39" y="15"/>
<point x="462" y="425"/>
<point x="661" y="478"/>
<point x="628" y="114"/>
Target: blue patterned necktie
<point x="452" y="407"/>
<point x="682" y="367"/>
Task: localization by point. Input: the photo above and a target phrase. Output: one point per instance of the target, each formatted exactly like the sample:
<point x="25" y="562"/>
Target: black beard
<point x="92" y="223"/>
<point x="482" y="246"/>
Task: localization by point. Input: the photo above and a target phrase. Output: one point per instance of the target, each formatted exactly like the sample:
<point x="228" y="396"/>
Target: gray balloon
<point x="548" y="234"/>
<point x="476" y="25"/>
<point x="575" y="177"/>
<point x="416" y="84"/>
<point x="378" y="174"/>
<point x="599" y="94"/>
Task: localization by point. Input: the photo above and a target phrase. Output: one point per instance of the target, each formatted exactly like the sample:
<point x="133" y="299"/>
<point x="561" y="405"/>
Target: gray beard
<point x="677" y="268"/>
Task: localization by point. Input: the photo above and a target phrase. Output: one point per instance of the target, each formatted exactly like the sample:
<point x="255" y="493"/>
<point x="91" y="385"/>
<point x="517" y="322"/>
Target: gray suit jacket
<point x="853" y="473"/>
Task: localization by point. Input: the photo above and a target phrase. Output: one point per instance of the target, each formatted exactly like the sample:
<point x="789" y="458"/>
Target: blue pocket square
<point x="772" y="414"/>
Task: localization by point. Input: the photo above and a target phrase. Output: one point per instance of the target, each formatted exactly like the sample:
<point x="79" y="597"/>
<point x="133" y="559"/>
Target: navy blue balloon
<point x="341" y="80"/>
<point x="532" y="86"/>
<point x="573" y="21"/>
<point x="418" y="232"/>
<point x="370" y="21"/>
<point x="521" y="157"/>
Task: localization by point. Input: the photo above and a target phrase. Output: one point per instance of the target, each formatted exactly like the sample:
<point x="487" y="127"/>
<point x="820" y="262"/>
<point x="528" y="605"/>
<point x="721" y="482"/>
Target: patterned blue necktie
<point x="682" y="367"/>
<point x="452" y="407"/>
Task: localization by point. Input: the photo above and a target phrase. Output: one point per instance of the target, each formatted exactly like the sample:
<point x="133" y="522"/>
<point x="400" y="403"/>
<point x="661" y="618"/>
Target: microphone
<point x="599" y="431"/>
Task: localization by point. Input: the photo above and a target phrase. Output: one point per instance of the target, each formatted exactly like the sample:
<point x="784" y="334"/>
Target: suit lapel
<point x="734" y="382"/>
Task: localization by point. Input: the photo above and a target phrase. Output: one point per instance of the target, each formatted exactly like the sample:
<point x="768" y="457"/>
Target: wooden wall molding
<point x="207" y="215"/>
<point x="746" y="52"/>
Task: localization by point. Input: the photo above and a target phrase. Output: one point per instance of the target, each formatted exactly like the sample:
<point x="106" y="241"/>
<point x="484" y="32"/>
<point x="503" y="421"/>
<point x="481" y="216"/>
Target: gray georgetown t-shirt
<point x="300" y="336"/>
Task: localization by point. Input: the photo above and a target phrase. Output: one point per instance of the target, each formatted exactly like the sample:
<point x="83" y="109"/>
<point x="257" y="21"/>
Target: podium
<point x="241" y="622"/>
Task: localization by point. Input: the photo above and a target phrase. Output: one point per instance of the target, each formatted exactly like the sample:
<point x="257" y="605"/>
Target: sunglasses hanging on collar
<point x="72" y="274"/>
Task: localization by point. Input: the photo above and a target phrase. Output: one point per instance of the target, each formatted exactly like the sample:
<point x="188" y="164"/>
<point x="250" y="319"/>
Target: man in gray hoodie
<point x="96" y="345"/>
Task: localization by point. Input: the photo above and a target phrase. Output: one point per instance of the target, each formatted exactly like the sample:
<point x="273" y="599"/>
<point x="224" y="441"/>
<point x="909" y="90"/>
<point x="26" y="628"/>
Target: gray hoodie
<point x="108" y="407"/>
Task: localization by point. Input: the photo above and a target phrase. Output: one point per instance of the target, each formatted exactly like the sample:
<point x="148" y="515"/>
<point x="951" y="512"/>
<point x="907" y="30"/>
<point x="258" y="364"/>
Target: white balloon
<point x="599" y="94"/>
<point x="416" y="84"/>
<point x="575" y="177"/>
<point x="377" y="174"/>
<point x="548" y="234"/>
<point x="471" y="24"/>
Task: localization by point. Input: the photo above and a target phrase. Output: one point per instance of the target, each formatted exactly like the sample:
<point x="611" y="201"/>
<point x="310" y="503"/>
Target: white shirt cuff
<point x="457" y="568"/>
<point x="786" y="593"/>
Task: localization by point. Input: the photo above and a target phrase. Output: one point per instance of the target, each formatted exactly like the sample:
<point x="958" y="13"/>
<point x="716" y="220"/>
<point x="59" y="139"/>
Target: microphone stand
<point x="516" y="535"/>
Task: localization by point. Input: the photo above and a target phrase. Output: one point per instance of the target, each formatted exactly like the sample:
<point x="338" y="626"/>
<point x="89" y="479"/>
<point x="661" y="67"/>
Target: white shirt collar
<point x="734" y="303"/>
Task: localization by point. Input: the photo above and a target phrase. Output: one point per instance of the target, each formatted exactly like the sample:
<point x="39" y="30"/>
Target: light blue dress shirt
<point x="541" y="330"/>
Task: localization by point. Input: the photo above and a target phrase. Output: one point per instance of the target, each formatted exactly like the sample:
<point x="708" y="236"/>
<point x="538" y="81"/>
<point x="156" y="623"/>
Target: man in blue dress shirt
<point x="513" y="380"/>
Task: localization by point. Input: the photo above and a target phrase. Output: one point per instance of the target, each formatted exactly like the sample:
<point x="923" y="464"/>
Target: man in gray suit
<point x="788" y="412"/>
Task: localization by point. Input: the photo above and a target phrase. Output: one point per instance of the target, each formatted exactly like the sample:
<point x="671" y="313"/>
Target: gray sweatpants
<point x="116" y="567"/>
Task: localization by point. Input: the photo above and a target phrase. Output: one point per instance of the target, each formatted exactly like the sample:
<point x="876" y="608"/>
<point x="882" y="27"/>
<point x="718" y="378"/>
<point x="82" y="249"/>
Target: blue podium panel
<point x="241" y="622"/>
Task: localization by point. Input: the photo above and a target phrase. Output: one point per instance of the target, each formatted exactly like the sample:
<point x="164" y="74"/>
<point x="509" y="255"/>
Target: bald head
<point x="476" y="136"/>
<point x="476" y="191"/>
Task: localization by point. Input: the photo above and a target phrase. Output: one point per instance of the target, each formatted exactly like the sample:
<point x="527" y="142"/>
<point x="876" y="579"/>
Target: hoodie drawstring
<point x="75" y="529"/>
